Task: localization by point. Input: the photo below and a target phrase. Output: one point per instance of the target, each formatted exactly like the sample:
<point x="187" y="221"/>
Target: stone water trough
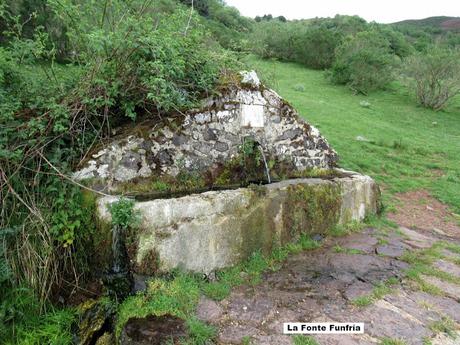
<point x="247" y="133"/>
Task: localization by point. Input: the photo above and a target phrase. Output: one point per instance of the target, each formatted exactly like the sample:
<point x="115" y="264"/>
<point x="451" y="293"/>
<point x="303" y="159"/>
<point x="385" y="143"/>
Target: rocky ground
<point x="371" y="277"/>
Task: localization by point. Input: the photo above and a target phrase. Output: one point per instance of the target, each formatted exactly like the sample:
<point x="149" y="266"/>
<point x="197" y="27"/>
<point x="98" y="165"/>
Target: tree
<point x="363" y="62"/>
<point x="316" y="47"/>
<point x="434" y="76"/>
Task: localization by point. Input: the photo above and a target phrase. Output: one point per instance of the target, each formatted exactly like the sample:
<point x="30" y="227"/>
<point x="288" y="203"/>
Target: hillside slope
<point x="403" y="146"/>
<point x="441" y="22"/>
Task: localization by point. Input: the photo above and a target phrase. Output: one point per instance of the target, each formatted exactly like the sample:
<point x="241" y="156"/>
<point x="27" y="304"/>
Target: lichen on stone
<point x="205" y="140"/>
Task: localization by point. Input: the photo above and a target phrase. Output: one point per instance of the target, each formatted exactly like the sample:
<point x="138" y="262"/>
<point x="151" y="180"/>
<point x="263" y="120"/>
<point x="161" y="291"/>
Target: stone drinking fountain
<point x="242" y="173"/>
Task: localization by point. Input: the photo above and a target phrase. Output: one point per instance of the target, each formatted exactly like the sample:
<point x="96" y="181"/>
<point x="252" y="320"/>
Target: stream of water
<point x="267" y="170"/>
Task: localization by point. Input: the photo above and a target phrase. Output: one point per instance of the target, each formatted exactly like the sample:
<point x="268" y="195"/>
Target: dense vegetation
<point x="71" y="71"/>
<point x="364" y="56"/>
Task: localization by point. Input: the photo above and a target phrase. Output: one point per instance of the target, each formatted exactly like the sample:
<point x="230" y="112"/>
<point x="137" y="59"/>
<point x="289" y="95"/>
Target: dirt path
<point x="358" y="278"/>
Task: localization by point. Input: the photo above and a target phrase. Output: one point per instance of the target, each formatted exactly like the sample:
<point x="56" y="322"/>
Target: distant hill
<point x="442" y="22"/>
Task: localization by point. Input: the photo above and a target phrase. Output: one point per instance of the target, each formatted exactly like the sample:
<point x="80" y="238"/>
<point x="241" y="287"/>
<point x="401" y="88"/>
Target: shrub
<point x="124" y="214"/>
<point x="434" y="76"/>
<point x="363" y="62"/>
<point x="316" y="47"/>
<point x="123" y="59"/>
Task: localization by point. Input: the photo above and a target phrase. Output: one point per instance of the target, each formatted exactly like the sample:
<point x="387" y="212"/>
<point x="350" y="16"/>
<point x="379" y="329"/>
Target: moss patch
<point x="313" y="208"/>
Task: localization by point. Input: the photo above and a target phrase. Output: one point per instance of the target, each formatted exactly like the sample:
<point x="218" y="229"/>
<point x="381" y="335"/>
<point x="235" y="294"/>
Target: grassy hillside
<point x="405" y="147"/>
<point x="442" y="22"/>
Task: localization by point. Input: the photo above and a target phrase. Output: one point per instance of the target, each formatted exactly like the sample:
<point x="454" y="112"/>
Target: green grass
<point x="352" y="251"/>
<point x="390" y="341"/>
<point x="444" y="325"/>
<point x="304" y="340"/>
<point x="22" y="323"/>
<point x="421" y="264"/>
<point x="179" y="293"/>
<point x="378" y="292"/>
<point x="408" y="146"/>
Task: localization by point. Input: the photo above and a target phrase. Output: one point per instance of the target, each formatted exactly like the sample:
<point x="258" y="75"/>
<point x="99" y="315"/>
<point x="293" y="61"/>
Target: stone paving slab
<point x="320" y="286"/>
<point x="416" y="239"/>
<point x="448" y="267"/>
<point x="438" y="304"/>
<point x="450" y="289"/>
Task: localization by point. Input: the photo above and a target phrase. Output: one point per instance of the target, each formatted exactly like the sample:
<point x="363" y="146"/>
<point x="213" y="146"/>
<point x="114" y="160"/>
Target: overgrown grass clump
<point x="178" y="294"/>
<point x="69" y="73"/>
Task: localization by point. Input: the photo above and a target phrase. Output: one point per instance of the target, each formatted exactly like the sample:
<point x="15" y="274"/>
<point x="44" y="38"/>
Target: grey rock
<point x="209" y="310"/>
<point x="390" y="250"/>
<point x="208" y="134"/>
<point x="221" y="147"/>
<point x="203" y="148"/>
<point x="164" y="157"/>
<point x="276" y="119"/>
<point x="179" y="140"/>
<point x="290" y="134"/>
<point x="358" y="289"/>
<point x="448" y="267"/>
<point x="208" y="231"/>
<point x="131" y="160"/>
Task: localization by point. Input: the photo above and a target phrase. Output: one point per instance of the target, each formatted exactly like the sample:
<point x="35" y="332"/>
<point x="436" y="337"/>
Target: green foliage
<point x="390" y="341"/>
<point x="445" y="325"/>
<point x="316" y="47"/>
<point x="177" y="296"/>
<point x="315" y="43"/>
<point x="200" y="332"/>
<point x="22" y="322"/>
<point x="434" y="76"/>
<point x="304" y="340"/>
<point x="117" y="59"/>
<point x="70" y="217"/>
<point x="363" y="62"/>
<point x="124" y="214"/>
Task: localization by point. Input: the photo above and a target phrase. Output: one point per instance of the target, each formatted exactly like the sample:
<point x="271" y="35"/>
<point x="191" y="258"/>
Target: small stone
<point x="221" y="147"/>
<point x="164" y="157"/>
<point x="318" y="237"/>
<point x="179" y="140"/>
<point x="203" y="148"/>
<point x="209" y="134"/>
<point x="276" y="119"/>
<point x="361" y="138"/>
<point x="290" y="134"/>
<point x="208" y="310"/>
<point x="131" y="161"/>
<point x="250" y="78"/>
<point x="390" y="250"/>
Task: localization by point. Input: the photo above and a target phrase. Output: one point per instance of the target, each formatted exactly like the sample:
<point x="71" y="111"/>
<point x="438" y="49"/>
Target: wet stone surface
<point x="322" y="286"/>
<point x="153" y="330"/>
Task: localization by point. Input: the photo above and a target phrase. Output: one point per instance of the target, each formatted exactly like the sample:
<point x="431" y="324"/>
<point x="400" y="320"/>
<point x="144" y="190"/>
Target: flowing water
<point x="267" y="170"/>
<point x="119" y="280"/>
<point x="117" y="251"/>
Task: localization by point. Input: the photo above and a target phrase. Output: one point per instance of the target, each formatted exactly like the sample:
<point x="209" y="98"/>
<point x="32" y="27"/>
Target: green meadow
<point x="384" y="134"/>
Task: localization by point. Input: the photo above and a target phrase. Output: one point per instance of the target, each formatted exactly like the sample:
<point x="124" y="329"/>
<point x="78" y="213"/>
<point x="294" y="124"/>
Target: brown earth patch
<point x="419" y="210"/>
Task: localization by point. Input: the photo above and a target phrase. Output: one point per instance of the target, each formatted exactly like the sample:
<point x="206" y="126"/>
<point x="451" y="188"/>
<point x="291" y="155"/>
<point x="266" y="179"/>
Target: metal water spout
<point x="267" y="170"/>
